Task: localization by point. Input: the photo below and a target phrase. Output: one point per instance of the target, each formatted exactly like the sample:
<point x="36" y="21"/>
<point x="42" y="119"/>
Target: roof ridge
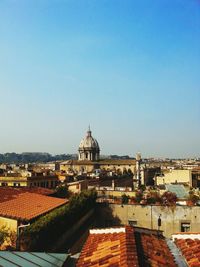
<point x="110" y="230"/>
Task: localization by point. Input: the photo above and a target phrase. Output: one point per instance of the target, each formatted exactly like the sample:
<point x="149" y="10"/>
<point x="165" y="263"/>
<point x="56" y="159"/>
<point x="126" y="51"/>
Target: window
<point x="16" y="184"/>
<point x="132" y="223"/>
<point x="185" y="226"/>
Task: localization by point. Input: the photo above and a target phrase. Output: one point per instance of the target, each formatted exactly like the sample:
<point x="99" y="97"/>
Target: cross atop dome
<point x="89" y="132"/>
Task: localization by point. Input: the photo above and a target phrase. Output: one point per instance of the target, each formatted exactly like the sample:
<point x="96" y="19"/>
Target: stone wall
<point x="172" y="218"/>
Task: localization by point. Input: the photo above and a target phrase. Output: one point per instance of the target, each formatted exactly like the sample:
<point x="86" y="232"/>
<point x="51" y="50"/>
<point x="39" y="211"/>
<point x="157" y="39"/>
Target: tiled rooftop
<point x="113" y="247"/>
<point x="8" y="193"/>
<point x="117" y="161"/>
<point x="41" y="190"/>
<point x="155" y="252"/>
<point x="27" y="206"/>
<point x="101" y="162"/>
<point x="126" y="246"/>
<point x="190" y="248"/>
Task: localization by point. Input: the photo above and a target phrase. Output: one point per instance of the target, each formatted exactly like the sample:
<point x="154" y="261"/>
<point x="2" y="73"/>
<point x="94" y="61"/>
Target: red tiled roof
<point x="155" y="251"/>
<point x="27" y="206"/>
<point x="8" y="193"/>
<point x="110" y="247"/>
<point x="100" y="162"/>
<point x="190" y="249"/>
<point x="117" y="162"/>
<point x="40" y="190"/>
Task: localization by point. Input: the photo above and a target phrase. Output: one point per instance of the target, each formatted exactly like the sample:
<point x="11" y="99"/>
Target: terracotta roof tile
<point x="8" y="193"/>
<point x="153" y="251"/>
<point x="114" y="249"/>
<point x="27" y="206"/>
<point x="190" y="249"/>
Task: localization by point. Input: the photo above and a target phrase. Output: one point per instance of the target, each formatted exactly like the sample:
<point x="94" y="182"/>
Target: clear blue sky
<point x="129" y="68"/>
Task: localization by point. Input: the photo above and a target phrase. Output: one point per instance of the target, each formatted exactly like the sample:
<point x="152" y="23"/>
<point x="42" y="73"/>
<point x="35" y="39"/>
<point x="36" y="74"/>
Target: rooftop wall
<point x="172" y="218"/>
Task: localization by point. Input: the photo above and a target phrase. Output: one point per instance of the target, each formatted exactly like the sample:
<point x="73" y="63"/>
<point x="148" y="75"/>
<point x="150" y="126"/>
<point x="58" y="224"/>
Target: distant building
<point x="89" y="148"/>
<point x="78" y="186"/>
<point x="115" y="165"/>
<point x="196" y="177"/>
<point x="89" y="159"/>
<point x="175" y="176"/>
<point x="39" y="179"/>
<point x="148" y="175"/>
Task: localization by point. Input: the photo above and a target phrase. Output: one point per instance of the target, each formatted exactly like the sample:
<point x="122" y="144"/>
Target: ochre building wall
<point x="147" y="216"/>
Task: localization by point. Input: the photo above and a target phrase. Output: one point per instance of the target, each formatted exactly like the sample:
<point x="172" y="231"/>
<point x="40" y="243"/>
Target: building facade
<point x="89" y="160"/>
<point x="175" y="176"/>
<point x="173" y="219"/>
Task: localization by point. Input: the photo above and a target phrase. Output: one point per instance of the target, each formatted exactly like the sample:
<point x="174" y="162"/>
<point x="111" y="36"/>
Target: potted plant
<point x="169" y="198"/>
<point x="125" y="199"/>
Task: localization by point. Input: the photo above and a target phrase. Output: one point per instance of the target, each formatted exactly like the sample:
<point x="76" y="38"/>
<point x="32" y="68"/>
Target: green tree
<point x="44" y="231"/>
<point x="139" y="196"/>
<point x="62" y="191"/>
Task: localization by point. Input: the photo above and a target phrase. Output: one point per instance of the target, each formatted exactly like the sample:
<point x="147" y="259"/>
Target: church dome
<point x="89" y="148"/>
<point x="88" y="142"/>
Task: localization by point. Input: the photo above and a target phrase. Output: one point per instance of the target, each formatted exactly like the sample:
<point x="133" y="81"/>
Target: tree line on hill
<point x="33" y="157"/>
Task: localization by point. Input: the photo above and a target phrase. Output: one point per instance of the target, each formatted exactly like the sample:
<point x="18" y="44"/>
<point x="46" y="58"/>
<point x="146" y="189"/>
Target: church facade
<point x="89" y="159"/>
